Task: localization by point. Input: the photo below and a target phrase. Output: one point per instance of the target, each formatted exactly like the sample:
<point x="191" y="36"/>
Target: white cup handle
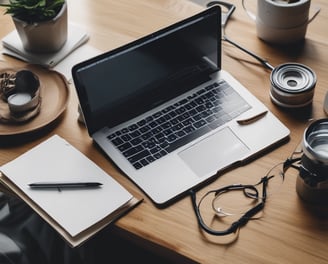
<point x="316" y="12"/>
<point x="249" y="13"/>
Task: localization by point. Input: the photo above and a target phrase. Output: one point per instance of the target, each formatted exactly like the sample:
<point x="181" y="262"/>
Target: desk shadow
<point x="300" y="114"/>
<point x="290" y="50"/>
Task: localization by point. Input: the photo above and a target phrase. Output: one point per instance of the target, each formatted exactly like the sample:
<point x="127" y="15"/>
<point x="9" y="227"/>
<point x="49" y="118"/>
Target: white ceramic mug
<point x="281" y="21"/>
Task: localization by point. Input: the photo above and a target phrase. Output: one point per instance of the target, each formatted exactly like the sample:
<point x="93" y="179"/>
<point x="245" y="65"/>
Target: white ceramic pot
<point x="44" y="37"/>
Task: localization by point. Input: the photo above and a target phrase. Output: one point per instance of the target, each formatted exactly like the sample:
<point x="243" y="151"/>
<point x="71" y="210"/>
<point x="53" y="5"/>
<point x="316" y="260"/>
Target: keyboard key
<point x="139" y="156"/>
<point x="124" y="146"/>
<point x="150" y="159"/>
<point x="117" y="141"/>
<point x="200" y="123"/>
<point x="144" y="162"/>
<point x="135" y="134"/>
<point x="141" y="122"/>
<point x="155" y="149"/>
<point x="132" y="151"/>
<point x="144" y="129"/>
<point x="137" y="165"/>
<point x="136" y="141"/>
<point x="126" y="137"/>
<point x="148" y="144"/>
<point x="133" y="127"/>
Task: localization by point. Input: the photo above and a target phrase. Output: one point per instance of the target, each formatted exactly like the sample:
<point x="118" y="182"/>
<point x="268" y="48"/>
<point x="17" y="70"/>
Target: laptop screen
<point x="123" y="83"/>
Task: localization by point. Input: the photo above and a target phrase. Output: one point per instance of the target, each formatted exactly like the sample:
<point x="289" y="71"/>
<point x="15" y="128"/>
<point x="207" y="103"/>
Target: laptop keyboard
<point x="163" y="132"/>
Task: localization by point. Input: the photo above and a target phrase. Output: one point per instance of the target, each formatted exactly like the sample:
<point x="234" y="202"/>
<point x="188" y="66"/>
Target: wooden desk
<point x="290" y="230"/>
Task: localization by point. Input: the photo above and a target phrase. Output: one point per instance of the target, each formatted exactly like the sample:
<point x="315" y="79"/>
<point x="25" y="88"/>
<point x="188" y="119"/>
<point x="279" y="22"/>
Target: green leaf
<point x="32" y="11"/>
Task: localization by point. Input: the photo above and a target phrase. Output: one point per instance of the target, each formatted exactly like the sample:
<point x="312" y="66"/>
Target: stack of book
<point x="72" y="52"/>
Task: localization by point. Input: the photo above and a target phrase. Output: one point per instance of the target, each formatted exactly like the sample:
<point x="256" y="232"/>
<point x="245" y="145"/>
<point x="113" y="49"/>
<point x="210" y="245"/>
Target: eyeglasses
<point x="225" y="210"/>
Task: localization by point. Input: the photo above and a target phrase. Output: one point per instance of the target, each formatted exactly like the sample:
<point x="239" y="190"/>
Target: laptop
<point x="166" y="113"/>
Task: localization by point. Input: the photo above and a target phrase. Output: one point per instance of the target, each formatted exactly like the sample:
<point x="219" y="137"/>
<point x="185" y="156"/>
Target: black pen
<point x="59" y="185"/>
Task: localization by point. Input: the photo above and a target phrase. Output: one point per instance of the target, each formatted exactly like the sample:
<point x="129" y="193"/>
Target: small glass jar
<point x="312" y="183"/>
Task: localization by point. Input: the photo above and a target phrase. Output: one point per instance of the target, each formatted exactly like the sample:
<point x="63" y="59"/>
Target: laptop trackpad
<point x="214" y="152"/>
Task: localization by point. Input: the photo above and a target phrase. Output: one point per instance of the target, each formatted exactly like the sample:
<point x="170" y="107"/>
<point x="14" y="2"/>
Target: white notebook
<point x="75" y="213"/>
<point x="13" y="46"/>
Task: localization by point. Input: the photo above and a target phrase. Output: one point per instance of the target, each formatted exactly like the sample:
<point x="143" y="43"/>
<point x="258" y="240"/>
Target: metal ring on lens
<point x="315" y="141"/>
<point x="292" y="85"/>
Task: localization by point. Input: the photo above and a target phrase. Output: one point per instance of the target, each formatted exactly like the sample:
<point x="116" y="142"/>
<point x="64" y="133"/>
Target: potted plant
<point x="40" y="24"/>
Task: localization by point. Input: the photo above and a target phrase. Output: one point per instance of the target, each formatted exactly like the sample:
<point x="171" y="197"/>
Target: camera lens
<point x="292" y="85"/>
<point x="315" y="142"/>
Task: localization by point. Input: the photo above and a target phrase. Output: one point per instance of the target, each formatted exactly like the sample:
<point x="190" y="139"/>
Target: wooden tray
<point x="54" y="93"/>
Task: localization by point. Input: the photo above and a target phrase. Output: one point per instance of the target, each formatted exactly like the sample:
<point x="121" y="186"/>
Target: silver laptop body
<point x="165" y="112"/>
